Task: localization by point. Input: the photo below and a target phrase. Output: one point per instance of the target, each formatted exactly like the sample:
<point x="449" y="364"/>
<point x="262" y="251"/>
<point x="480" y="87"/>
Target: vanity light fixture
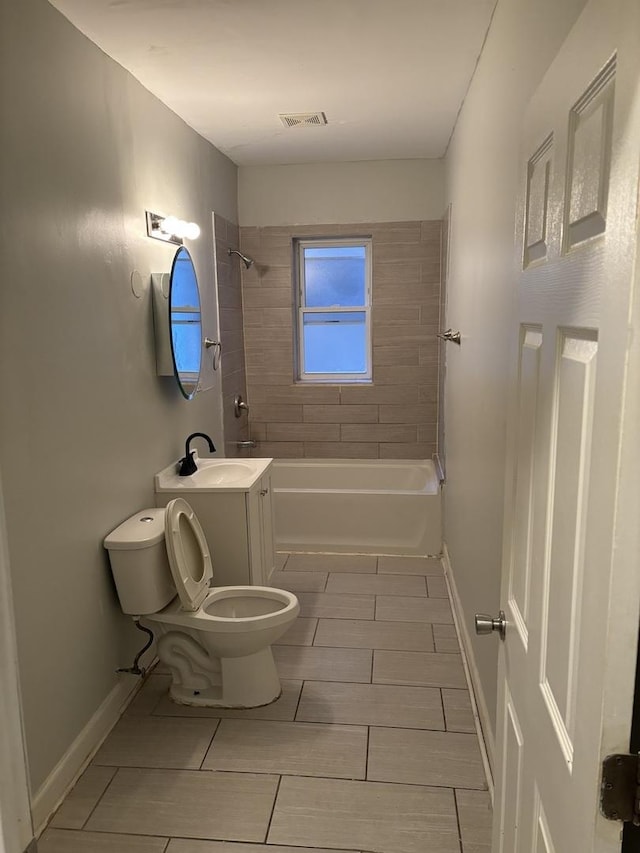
<point x="170" y="229"/>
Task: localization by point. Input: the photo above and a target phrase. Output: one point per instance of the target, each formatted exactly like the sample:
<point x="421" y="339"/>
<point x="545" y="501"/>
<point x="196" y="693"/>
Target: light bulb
<point x="171" y="225"/>
<point x="191" y="230"/>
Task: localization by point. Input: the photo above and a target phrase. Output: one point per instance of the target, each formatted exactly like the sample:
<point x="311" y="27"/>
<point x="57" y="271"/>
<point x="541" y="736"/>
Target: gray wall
<point x="84" y="420"/>
<point x="482" y="183"/>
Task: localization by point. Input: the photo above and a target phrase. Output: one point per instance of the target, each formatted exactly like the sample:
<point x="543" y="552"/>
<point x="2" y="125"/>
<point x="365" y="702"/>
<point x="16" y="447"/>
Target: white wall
<point x="84" y="420"/>
<point x="482" y="182"/>
<point x="322" y="193"/>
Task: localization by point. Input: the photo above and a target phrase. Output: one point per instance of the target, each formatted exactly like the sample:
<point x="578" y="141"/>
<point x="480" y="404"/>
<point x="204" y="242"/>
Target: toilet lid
<point x="188" y="553"/>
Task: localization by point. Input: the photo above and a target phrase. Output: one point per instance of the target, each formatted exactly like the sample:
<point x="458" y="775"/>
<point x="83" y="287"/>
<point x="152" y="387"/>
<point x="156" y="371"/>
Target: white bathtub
<point x="379" y="506"/>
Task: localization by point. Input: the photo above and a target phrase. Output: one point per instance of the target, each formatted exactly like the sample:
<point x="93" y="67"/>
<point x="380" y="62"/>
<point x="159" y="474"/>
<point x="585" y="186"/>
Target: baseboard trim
<point x="478" y="701"/>
<point x="66" y="772"/>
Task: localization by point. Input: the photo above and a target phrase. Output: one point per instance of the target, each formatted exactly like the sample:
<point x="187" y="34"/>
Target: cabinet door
<point x="254" y="531"/>
<point x="268" y="537"/>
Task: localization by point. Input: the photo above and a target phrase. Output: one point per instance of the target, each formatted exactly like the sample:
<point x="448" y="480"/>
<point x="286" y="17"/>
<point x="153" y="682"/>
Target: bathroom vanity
<point x="232" y="499"/>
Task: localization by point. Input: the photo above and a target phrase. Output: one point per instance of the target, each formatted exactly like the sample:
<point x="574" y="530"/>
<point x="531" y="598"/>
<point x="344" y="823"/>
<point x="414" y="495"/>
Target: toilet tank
<point x="139" y="563"/>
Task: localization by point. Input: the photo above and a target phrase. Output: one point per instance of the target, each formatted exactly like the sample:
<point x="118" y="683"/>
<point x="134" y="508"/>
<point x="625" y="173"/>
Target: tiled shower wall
<point x="394" y="417"/>
<point x="232" y="366"/>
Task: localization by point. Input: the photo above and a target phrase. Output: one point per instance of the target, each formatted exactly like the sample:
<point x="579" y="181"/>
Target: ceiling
<point x="390" y="75"/>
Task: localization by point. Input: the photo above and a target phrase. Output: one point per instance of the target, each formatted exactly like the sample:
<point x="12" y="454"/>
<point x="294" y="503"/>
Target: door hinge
<point x="620" y="788"/>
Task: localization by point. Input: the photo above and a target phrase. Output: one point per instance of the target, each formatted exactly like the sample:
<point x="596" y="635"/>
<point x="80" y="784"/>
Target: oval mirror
<point x="186" y="327"/>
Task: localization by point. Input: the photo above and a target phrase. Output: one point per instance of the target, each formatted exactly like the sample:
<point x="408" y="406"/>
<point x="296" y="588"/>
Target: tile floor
<point x="370" y="749"/>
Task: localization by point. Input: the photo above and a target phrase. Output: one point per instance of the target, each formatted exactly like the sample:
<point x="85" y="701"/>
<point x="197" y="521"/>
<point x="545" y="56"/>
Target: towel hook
<point x="450" y="335"/>
<point x="217" y="351"/>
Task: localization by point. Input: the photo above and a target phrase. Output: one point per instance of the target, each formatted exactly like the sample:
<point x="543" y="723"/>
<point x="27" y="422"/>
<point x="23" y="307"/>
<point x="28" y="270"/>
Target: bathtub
<point x="379" y="506"/>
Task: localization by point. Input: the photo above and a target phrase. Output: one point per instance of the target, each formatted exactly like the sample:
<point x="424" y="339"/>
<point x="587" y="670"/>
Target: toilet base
<point x="247" y="682"/>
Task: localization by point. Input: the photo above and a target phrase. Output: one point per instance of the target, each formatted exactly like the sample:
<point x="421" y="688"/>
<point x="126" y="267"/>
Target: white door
<point x="571" y="572"/>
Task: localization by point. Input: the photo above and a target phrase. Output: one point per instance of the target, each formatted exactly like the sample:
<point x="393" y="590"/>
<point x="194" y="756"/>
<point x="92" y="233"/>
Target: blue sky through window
<point x="335" y="342"/>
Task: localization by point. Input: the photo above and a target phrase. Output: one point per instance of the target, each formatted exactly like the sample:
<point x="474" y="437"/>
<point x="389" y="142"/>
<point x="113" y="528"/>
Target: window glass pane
<point x="335" y="342"/>
<point x="186" y="333"/>
<point x="334" y="275"/>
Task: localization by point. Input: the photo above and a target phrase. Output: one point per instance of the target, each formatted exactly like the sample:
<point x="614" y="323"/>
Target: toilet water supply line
<point x="135" y="669"/>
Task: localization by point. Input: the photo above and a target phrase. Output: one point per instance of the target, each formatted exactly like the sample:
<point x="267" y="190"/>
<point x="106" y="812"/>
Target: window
<point x="334" y="310"/>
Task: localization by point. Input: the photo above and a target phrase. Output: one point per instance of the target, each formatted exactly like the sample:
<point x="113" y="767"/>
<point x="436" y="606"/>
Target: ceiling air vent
<point x="303" y="119"/>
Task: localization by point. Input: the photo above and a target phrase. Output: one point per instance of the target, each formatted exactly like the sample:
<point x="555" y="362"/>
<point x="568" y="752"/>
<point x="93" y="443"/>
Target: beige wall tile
<point x="419" y="413"/>
<point x="404" y="354"/>
<point x="401" y="375"/>
<point x="383" y="335"/>
<point x="431" y="229"/>
<point x="340" y="450"/>
<point x="341" y="414"/>
<point x="403" y="272"/>
<point x="275" y="414"/>
<point x="407" y="451"/>
<point x="280" y="449"/>
<point x="178" y="803"/>
<point x="396" y="315"/>
<point x="296" y="395"/>
<point x="378" y="432"/>
<point x="268" y="375"/>
<point x="267" y="297"/>
<point x="399" y="292"/>
<point x="399" y="395"/>
<point x="303" y="432"/>
<point x="300" y="748"/>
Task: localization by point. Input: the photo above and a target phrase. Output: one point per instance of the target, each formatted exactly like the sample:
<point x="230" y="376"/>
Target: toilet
<point x="215" y="641"/>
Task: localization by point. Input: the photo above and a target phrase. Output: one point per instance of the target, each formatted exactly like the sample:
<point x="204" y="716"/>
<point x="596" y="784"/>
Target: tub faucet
<point x="187" y="464"/>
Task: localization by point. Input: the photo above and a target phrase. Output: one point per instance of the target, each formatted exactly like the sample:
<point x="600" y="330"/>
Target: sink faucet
<point x="187" y="464"/>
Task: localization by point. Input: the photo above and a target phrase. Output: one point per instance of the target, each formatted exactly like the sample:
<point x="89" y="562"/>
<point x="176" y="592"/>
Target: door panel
<point x="520" y="562"/>
<point x="571" y="588"/>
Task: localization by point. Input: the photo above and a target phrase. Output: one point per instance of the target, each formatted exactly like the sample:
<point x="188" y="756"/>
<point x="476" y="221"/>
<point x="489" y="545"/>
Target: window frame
<point x="302" y="309"/>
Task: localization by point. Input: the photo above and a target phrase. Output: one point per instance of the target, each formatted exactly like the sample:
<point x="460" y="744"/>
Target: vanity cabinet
<point x="238" y="526"/>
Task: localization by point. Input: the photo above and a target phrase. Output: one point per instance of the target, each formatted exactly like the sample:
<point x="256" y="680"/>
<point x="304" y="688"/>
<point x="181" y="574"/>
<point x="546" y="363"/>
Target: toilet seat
<point x="188" y="552"/>
<point x="205" y="618"/>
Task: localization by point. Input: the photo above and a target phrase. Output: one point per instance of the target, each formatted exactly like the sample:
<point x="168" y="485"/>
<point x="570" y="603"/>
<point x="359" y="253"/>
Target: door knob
<point x="485" y="624"/>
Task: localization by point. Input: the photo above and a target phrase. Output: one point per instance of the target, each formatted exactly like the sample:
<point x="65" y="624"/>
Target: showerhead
<point x="245" y="260"/>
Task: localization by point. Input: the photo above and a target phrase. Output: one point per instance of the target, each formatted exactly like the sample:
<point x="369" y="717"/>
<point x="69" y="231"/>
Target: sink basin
<point x="213" y="475"/>
<point x="221" y="473"/>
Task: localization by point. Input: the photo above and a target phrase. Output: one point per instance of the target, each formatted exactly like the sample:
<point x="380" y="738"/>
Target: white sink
<point x="213" y="475"/>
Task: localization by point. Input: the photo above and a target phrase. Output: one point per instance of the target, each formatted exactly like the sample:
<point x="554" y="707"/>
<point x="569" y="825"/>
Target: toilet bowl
<point x="216" y="642"/>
